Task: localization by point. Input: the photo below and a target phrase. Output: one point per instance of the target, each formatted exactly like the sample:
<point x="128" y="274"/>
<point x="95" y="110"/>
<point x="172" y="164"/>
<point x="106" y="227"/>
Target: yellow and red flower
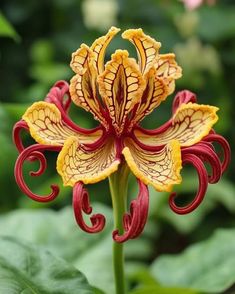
<point x="120" y="94"/>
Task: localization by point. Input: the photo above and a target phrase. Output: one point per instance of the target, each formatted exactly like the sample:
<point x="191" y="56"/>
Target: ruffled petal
<point x="168" y="69"/>
<point x="155" y="92"/>
<point x="99" y="47"/>
<point x="121" y="87"/>
<point x="189" y="125"/>
<point x="159" y="168"/>
<point x="47" y="127"/>
<point x="147" y="48"/>
<point x="79" y="163"/>
<point x="83" y="85"/>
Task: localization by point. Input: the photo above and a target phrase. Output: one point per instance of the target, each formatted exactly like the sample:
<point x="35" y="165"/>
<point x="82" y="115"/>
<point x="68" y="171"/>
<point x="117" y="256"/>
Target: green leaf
<point x="208" y="266"/>
<point x="25" y="268"/>
<point x="6" y="29"/>
<point x="58" y="232"/>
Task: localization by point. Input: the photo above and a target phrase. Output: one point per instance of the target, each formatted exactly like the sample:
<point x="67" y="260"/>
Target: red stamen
<point x="35" y="151"/>
<point x="134" y="222"/>
<point x="16" y="134"/>
<point x="203" y="183"/>
<point x="81" y="204"/>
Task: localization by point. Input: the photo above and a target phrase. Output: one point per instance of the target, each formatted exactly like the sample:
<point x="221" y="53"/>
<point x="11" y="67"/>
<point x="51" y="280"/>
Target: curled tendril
<point x="81" y="204"/>
<point x="203" y="183"/>
<point x="16" y="134"/>
<point x="57" y="95"/>
<point x="134" y="222"/>
<point x="215" y="138"/>
<point x="35" y="151"/>
<point x="183" y="97"/>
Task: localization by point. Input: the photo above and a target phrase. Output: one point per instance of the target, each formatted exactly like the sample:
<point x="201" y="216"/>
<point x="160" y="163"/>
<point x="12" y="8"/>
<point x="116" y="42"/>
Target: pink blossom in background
<point x="193" y="4"/>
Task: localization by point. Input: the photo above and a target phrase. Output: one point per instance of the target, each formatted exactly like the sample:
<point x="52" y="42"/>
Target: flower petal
<point x="189" y="125"/>
<point x="99" y="47"/>
<point x="168" y="69"/>
<point x="77" y="163"/>
<point x="155" y="92"/>
<point x="147" y="48"/>
<point x="83" y="84"/>
<point x="121" y="86"/>
<point x="159" y="168"/>
<point x="47" y="127"/>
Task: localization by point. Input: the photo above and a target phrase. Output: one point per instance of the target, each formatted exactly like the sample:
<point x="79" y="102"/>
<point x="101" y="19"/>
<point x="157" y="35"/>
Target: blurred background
<point x="36" y="42"/>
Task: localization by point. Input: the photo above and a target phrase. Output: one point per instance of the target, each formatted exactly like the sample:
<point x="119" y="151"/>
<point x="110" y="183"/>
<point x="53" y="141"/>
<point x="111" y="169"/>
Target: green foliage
<point x="26" y="268"/>
<point x="208" y="266"/>
<point x="6" y="29"/>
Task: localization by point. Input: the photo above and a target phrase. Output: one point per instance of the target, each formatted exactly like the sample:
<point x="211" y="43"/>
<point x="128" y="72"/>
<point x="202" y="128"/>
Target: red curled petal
<point x="81" y="204"/>
<point x="16" y="134"/>
<point x="203" y="183"/>
<point x="181" y="97"/>
<point x="57" y="93"/>
<point x="135" y="221"/>
<point x="34" y="151"/>
<point x="225" y="146"/>
<point x="206" y="153"/>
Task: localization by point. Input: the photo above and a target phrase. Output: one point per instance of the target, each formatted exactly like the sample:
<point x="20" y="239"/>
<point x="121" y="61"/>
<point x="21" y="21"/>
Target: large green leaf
<point x="28" y="269"/>
<point x="161" y="290"/>
<point x="208" y="266"/>
<point x="58" y="232"/>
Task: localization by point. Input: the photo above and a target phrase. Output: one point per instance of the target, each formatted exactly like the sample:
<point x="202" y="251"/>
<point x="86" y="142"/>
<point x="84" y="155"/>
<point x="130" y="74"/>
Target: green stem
<point x="118" y="188"/>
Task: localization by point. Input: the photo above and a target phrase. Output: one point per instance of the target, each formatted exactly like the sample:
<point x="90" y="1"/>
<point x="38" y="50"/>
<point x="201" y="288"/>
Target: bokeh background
<point x="176" y="254"/>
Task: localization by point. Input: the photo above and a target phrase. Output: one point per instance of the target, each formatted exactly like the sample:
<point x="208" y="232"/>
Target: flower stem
<point x="118" y="188"/>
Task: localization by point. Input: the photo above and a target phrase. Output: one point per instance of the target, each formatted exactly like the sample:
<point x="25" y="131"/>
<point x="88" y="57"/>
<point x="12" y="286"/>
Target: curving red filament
<point x="134" y="222"/>
<point x="203" y="183"/>
<point x="184" y="96"/>
<point x="81" y="204"/>
<point x="215" y="138"/>
<point x="35" y="151"/>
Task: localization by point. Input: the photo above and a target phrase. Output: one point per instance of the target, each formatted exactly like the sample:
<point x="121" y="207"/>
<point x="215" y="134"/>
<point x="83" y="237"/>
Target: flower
<point x="193" y="4"/>
<point x="119" y="95"/>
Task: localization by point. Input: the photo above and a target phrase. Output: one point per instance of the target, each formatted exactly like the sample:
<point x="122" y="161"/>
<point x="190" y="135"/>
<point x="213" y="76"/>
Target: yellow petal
<point x="160" y="168"/>
<point x="121" y="87"/>
<point x="155" y="92"/>
<point x="147" y="48"/>
<point x="99" y="47"/>
<point x="80" y="59"/>
<point x="189" y="125"/>
<point x="47" y="127"/>
<point x="168" y="69"/>
<point x="76" y="163"/>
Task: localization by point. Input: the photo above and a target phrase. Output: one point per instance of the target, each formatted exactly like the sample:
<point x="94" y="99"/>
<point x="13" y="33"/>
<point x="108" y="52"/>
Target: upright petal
<point x="83" y="84"/>
<point x="189" y="125"/>
<point x="99" y="47"/>
<point x="155" y="92"/>
<point x="77" y="163"/>
<point x="47" y="127"/>
<point x="159" y="168"/>
<point x="147" y="48"/>
<point x="121" y="87"/>
<point x="168" y="69"/>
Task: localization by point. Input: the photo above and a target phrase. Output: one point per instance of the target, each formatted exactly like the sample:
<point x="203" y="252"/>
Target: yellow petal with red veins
<point x="160" y="168"/>
<point x="155" y="92"/>
<point x="147" y="48"/>
<point x="121" y="87"/>
<point x="189" y="125"/>
<point x="99" y="47"/>
<point x="168" y="69"/>
<point x="80" y="59"/>
<point x="77" y="163"/>
<point x="47" y="127"/>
